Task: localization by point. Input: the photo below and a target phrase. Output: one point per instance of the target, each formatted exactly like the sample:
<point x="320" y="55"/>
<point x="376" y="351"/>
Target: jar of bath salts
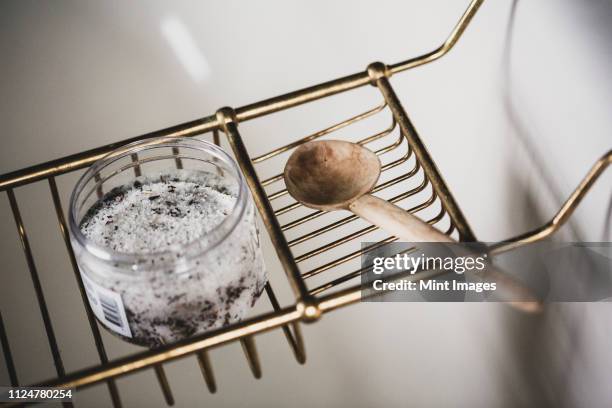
<point x="165" y="236"/>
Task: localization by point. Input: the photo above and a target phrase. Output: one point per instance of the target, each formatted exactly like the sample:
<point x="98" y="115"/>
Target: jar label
<point x="107" y="306"/>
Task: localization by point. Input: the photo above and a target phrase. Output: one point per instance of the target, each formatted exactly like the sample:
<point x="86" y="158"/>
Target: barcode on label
<point x="107" y="306"/>
<point x="110" y="310"/>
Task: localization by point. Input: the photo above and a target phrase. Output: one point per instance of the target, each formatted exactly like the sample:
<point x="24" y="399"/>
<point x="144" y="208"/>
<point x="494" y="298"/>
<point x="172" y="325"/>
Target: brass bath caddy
<point x="320" y="282"/>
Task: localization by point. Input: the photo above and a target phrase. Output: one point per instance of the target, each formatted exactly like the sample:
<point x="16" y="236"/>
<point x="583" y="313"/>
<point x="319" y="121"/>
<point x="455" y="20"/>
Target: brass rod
<point x="445" y="47"/>
<point x="137" y="171"/>
<point x="336" y="243"/>
<point x="320" y="231"/>
<point x="346" y="258"/>
<point x="301" y="96"/>
<point x="272" y="179"/>
<point x="564" y="212"/>
<point x="217" y="141"/>
<point x="450" y="229"/>
<point x="83" y="159"/>
<point x="355" y="234"/>
<point x="177" y="161"/>
<point x="320" y="133"/>
<point x="250" y="352"/>
<point x="352" y="275"/>
<point x="99" y="190"/>
<point x="339" y="299"/>
<point x="344" y="278"/>
<point x="390" y="147"/>
<point x="263" y="204"/>
<point x="42" y="304"/>
<point x="366" y="140"/>
<point x="95" y="331"/>
<point x="207" y="371"/>
<point x="146" y="359"/>
<point x="8" y="356"/>
<point x="287" y="208"/>
<point x="423" y="156"/>
<point x="397" y="162"/>
<point x="297" y="331"/>
<point x="438" y="217"/>
<point x="346" y="239"/>
<point x="378" y="135"/>
<point x="277" y="194"/>
<point x="164" y="384"/>
<point x="423" y="205"/>
<point x="295" y="342"/>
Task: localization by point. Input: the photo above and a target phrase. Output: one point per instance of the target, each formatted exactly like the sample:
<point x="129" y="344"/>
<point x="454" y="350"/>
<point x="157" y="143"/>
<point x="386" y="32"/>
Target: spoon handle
<point x="395" y="220"/>
<point x="409" y="228"/>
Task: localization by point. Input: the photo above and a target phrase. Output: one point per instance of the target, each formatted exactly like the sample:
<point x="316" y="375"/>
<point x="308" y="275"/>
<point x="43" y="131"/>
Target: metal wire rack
<point x="320" y="282"/>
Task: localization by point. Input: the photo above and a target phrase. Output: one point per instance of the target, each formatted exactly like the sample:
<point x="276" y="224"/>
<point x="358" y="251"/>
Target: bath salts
<point x="189" y="279"/>
<point x="157" y="215"/>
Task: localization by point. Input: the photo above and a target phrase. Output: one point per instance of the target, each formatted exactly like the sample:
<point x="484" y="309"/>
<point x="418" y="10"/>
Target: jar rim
<point x="229" y="223"/>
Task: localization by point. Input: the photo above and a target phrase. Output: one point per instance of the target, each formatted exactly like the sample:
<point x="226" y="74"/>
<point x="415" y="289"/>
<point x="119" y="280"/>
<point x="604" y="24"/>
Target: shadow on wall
<point x="553" y="357"/>
<point x="532" y="213"/>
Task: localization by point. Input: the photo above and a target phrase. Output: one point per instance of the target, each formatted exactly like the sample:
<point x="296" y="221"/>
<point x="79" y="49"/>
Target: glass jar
<point x="164" y="233"/>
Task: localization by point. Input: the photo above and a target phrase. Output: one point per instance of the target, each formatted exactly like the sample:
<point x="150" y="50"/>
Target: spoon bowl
<point x="330" y="175"/>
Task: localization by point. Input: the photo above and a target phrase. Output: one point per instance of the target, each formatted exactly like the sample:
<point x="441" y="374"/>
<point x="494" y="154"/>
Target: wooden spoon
<point x="336" y="175"/>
